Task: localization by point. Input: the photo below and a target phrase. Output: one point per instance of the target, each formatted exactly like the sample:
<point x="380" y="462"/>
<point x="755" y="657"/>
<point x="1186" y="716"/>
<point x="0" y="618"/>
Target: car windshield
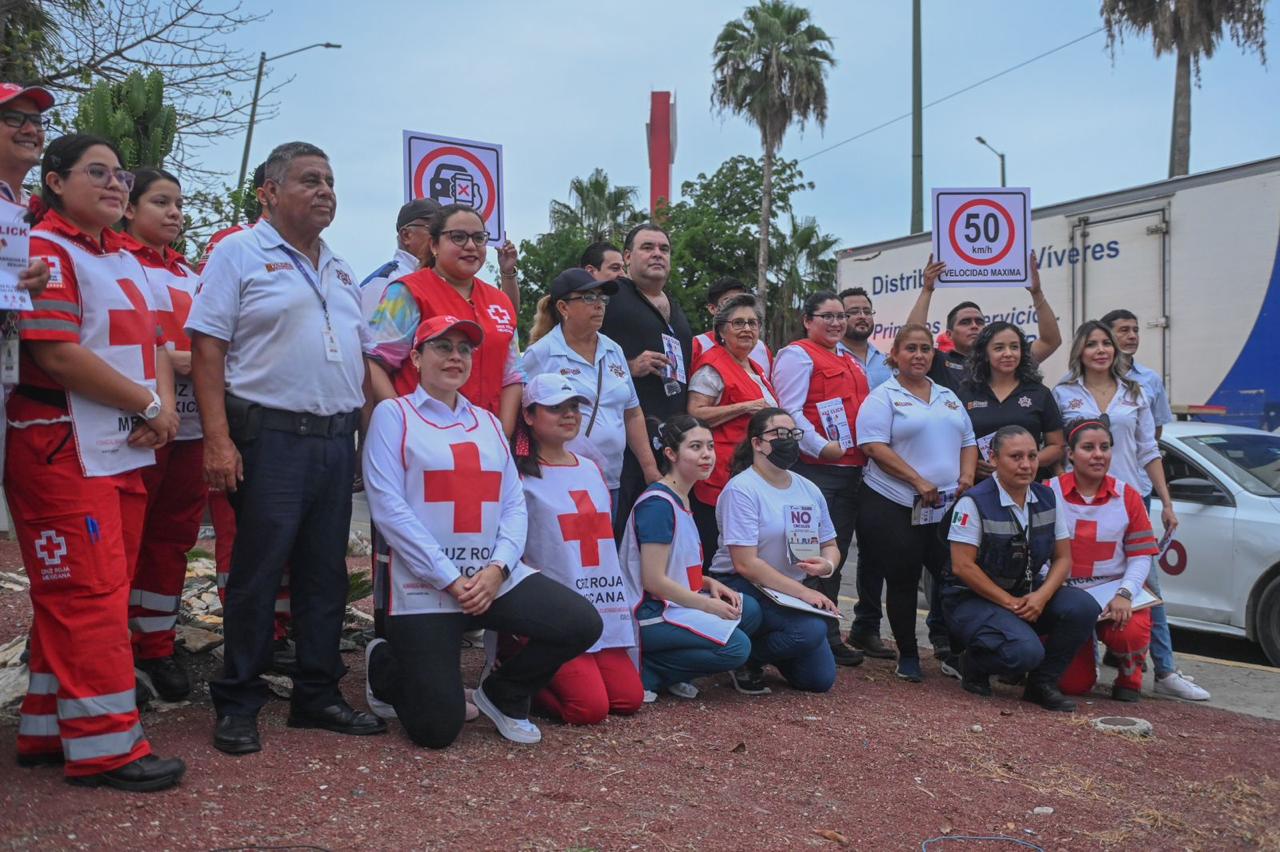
<point x="1251" y="459"/>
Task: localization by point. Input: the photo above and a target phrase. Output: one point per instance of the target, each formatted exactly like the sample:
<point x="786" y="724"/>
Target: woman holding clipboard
<point x="776" y="531"/>
<point x="1122" y="530"/>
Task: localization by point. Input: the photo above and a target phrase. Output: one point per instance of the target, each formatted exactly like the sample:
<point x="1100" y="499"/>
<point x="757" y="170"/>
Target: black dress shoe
<point x="170" y="679"/>
<point x="972" y="679"/>
<point x="46" y="758"/>
<point x="340" y="718"/>
<point x="846" y="656"/>
<point x="1048" y="696"/>
<point x="237" y="735"/>
<point x="872" y="646"/>
<point x="145" y="775"/>
<point x="1125" y="694"/>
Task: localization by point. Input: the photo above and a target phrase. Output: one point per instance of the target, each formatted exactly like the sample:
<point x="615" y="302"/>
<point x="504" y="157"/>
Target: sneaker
<point x="168" y="677"/>
<point x="1178" y="685"/>
<point x="871" y="645"/>
<point x="377" y="706"/>
<point x="650" y="696"/>
<point x="1125" y="694"/>
<point x="516" y="730"/>
<point x="909" y="669"/>
<point x="941" y="647"/>
<point x="683" y="690"/>
<point x="950" y="667"/>
<point x="846" y="656"/>
<point x="749" y="680"/>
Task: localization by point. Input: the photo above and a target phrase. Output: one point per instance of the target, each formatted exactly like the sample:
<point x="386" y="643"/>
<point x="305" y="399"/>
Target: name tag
<point x="332" y="352"/>
<point x="9" y="361"/>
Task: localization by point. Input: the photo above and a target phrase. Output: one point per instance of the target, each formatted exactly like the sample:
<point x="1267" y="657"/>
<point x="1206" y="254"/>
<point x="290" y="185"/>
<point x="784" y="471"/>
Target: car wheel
<point x="1267" y="621"/>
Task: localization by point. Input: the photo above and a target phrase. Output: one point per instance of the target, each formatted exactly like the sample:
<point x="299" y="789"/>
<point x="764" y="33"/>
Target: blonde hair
<point x="1120" y="364"/>
<point x="545" y="318"/>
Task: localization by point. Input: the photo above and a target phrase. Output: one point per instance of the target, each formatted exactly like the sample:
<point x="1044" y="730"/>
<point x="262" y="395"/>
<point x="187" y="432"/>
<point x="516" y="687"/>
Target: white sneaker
<point x="683" y="690"/>
<point x="377" y="706"/>
<point x="1181" y="686"/>
<point x="650" y="696"/>
<point x="516" y="730"/>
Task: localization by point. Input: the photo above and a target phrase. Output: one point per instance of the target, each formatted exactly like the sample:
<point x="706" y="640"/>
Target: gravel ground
<point x="875" y="764"/>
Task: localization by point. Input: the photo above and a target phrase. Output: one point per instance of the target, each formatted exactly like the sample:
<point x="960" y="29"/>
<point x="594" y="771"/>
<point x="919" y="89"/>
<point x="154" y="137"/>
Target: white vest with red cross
<point x="453" y="476"/>
<point x="172" y="293"/>
<point x="1104" y="535"/>
<point x="570" y="540"/>
<point x="118" y="323"/>
<point x="684" y="566"/>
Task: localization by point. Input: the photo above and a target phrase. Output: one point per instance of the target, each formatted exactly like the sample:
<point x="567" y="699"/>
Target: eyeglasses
<point x="460" y="238"/>
<point x="831" y="318"/>
<point x="859" y="312"/>
<point x="16" y="118"/>
<point x="740" y="324"/>
<point x="445" y="348"/>
<point x="589" y="298"/>
<point x="100" y="175"/>
<point x="782" y="433"/>
<point x="421" y="225"/>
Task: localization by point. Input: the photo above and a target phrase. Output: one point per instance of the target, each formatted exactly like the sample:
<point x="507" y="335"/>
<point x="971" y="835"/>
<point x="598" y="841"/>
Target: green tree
<point x="133" y="115"/>
<point x="596" y="209"/>
<point x="771" y="67"/>
<point x="541" y="260"/>
<point x="804" y="262"/>
<point x="1190" y="29"/>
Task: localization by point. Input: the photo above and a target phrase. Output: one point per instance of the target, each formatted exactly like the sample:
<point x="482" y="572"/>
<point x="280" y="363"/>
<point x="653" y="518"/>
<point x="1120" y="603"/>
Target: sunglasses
<point x="460" y="238"/>
<point x="589" y="298"/>
<point x="445" y="348"/>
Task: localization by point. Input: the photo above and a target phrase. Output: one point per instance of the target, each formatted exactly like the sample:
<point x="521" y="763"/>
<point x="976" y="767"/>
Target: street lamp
<point x="981" y="141"/>
<point x="263" y="59"/>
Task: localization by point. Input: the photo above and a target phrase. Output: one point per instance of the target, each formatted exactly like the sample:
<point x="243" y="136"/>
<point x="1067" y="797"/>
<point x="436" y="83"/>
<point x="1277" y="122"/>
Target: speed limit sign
<point x="982" y="236"/>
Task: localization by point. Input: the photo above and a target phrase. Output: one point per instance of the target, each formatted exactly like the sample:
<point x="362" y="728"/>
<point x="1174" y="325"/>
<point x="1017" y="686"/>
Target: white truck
<point x="1195" y="258"/>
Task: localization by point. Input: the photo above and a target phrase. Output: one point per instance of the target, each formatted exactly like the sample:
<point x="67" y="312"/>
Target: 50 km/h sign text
<point x="981" y="236"/>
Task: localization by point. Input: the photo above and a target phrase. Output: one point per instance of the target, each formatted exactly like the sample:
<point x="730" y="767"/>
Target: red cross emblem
<point x="172" y="322"/>
<point x="586" y="526"/>
<point x="51" y="547"/>
<point x="1086" y="550"/>
<point x="468" y="487"/>
<point x="136" y="327"/>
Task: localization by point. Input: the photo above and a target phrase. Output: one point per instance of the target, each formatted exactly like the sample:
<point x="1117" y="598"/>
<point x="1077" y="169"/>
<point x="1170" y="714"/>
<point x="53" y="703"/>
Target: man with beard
<point x="857" y="334"/>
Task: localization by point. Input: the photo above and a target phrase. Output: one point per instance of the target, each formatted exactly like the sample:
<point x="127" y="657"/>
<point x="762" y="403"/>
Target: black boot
<point x="237" y="735"/>
<point x="973" y="679"/>
<point x="1048" y="696"/>
<point x="872" y="645"/>
<point x="170" y="679"/>
<point x="145" y="775"/>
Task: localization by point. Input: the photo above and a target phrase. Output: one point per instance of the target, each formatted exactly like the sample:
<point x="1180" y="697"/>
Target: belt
<point x="316" y="425"/>
<point x="47" y="396"/>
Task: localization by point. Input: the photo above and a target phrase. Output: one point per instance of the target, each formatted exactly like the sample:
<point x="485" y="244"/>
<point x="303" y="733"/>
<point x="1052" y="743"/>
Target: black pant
<point x="631" y="485"/>
<point x="898" y="550"/>
<point x="704" y="516"/>
<point x="418" y="670"/>
<point x="293" y="507"/>
<point x="840" y="486"/>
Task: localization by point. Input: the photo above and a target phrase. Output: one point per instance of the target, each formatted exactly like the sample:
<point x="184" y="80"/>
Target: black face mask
<point x="783" y="452"/>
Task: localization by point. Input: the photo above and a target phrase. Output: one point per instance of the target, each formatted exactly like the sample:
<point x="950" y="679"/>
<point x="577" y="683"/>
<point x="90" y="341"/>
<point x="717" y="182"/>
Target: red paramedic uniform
<point x="75" y="489"/>
<point x="175" y="483"/>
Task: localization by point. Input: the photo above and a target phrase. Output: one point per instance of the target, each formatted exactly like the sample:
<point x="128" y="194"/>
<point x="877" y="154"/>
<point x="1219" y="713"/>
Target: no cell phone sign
<point x="982" y="236"/>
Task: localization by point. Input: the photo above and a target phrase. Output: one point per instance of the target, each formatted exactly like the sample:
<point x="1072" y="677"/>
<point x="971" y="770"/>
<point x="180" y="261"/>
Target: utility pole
<point x="917" y="126"/>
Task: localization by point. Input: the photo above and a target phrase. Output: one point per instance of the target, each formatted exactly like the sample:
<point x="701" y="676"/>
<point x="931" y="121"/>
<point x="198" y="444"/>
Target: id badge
<point x="9" y="362"/>
<point x="332" y="352"/>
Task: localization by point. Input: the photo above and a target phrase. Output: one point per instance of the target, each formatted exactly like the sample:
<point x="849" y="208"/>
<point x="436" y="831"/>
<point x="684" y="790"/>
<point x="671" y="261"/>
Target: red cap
<point x="438" y="325"/>
<point x="9" y="91"/>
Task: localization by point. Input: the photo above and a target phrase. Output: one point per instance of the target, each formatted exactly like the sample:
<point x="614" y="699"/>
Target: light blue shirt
<point x="876" y="366"/>
<point x="1151" y="382"/>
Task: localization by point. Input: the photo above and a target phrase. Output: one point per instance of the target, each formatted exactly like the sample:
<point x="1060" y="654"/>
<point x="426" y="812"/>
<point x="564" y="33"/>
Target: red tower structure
<point x="660" y="131"/>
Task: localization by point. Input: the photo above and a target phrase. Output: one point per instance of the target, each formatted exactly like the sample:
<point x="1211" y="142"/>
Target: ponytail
<point x="545" y="318"/>
<point x="670" y="435"/>
<point x="744" y="454"/>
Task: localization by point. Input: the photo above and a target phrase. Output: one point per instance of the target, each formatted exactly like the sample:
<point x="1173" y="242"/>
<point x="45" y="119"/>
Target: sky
<point x="564" y="88"/>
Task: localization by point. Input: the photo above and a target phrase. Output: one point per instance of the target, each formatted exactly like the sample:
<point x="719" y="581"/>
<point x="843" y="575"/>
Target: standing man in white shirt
<point x="413" y="241"/>
<point x="277" y="341"/>
<point x="1124" y="325"/>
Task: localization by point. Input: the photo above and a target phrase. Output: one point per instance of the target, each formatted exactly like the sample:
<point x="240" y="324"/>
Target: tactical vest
<point x="1010" y="556"/>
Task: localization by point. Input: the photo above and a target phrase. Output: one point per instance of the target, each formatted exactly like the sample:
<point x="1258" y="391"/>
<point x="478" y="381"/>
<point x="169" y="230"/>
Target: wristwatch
<point x="152" y="411"/>
<point x="506" y="572"/>
<point x="1125" y="593"/>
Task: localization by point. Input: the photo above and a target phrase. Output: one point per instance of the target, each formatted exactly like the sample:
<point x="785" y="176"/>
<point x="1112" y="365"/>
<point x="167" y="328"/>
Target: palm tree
<point x="1191" y="29"/>
<point x="771" y="67"/>
<point x="596" y="209"/>
<point x="803" y="264"/>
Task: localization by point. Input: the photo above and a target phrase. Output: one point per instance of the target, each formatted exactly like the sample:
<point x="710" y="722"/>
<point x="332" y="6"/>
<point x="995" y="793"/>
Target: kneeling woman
<point x="775" y="532"/>
<point x="1121" y="529"/>
<point x="444" y="491"/>
<point x="690" y="625"/>
<point x="571" y="541"/>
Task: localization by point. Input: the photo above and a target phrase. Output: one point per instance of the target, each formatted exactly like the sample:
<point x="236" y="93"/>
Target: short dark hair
<point x="1110" y="318"/>
<point x="643" y="226"/>
<point x="744" y="453"/>
<point x="282" y="156"/>
<point x="61" y="156"/>
<point x="1004" y="433"/>
<point x="446" y="212"/>
<point x="144" y="177"/>
<point x="855" y="291"/>
<point x="594" y="254"/>
<point x="722" y="286"/>
<point x="1075" y="429"/>
<point x="951" y="315"/>
<point x="814" y="300"/>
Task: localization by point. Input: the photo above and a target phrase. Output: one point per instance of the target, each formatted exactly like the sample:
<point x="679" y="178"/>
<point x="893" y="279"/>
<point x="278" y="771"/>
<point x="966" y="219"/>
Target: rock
<point x="1130" y="726"/>
<point x="977" y="729"/>
<point x="1042" y="811"/>
<point x="281" y="686"/>
<point x="198" y="640"/>
<point x="11" y="652"/>
<point x="358" y="544"/>
<point x="202" y="568"/>
<point x="14" y="582"/>
<point x="13" y="685"/>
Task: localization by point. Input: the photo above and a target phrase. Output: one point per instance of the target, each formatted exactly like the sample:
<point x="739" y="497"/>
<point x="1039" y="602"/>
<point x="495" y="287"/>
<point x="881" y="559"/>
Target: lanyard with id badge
<point x="332" y="352"/>
<point x="673" y="374"/>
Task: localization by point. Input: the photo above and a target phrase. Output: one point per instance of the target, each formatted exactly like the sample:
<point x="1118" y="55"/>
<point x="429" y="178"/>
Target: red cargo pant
<point x="224" y="531"/>
<point x="79" y="537"/>
<point x="1128" y="644"/>
<point x="175" y="505"/>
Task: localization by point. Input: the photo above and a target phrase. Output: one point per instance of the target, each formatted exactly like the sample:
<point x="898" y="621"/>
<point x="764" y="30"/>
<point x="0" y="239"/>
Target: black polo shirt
<point x="949" y="369"/>
<point x="1031" y="406"/>
<point x="634" y="323"/>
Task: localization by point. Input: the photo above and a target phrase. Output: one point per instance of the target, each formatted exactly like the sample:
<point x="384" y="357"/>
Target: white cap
<point x="549" y="389"/>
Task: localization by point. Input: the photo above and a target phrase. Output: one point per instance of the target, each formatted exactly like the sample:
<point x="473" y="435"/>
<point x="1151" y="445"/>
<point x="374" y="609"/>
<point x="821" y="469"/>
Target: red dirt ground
<point x="875" y="764"/>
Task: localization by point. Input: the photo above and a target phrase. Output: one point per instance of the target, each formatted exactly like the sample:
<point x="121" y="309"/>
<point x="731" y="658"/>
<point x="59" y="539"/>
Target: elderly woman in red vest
<point x="725" y="389"/>
<point x="822" y="386"/>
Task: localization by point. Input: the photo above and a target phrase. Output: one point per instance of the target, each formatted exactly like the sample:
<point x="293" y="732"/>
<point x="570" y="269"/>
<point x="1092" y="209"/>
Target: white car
<point x="1221" y="572"/>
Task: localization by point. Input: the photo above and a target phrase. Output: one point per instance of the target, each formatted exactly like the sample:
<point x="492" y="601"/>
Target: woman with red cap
<point x="445" y="493"/>
<point x="94" y="402"/>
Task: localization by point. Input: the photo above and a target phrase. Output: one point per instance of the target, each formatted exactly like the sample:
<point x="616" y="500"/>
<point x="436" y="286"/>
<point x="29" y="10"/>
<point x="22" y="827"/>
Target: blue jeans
<point x="671" y="654"/>
<point x="793" y="641"/>
<point x="1161" y="640"/>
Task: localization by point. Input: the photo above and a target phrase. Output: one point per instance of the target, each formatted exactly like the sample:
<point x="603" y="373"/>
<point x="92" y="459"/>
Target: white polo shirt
<point x="608" y="436"/>
<point x="966" y="523"/>
<point x="256" y="295"/>
<point x="928" y="436"/>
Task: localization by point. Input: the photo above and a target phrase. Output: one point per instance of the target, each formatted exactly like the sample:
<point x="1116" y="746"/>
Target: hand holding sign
<point x="981" y="236"/>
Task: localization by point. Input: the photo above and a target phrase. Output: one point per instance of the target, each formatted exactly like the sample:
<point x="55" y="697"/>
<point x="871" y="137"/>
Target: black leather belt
<point x="48" y="396"/>
<point x="246" y="419"/>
